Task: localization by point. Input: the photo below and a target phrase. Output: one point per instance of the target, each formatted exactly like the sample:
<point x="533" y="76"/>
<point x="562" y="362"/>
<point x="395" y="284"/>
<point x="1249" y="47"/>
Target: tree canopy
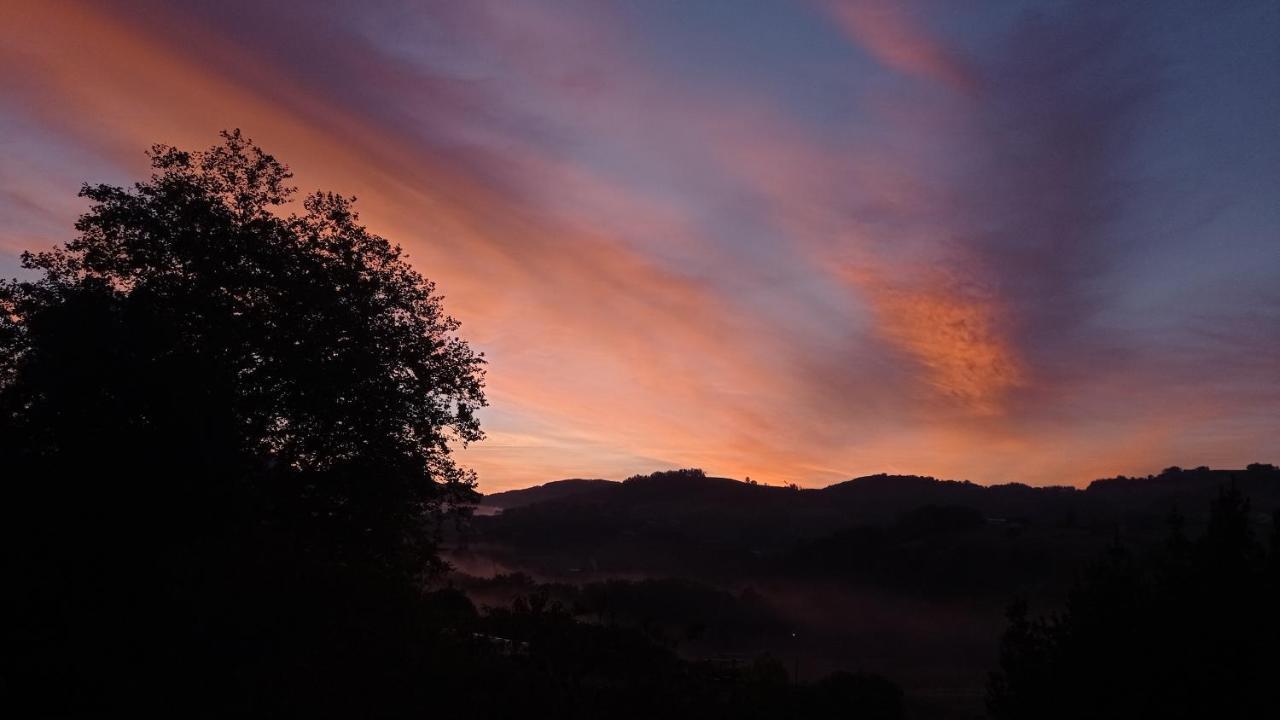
<point x="1188" y="631"/>
<point x="300" y="345"/>
<point x="219" y="419"/>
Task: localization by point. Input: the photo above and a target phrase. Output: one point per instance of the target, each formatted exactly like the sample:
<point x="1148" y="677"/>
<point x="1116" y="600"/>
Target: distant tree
<point x="206" y="403"/>
<point x="670" y="475"/>
<point x="1190" y="632"/>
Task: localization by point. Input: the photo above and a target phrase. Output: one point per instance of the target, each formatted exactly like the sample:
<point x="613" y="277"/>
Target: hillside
<point x="684" y="522"/>
<point x="911" y="575"/>
<point x="556" y="490"/>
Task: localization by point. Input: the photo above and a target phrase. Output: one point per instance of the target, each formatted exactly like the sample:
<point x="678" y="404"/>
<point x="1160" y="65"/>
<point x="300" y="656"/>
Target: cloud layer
<point x="796" y="242"/>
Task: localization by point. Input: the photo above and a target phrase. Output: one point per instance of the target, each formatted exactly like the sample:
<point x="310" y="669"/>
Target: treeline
<point x="686" y="523"/>
<point x="1190" y="629"/>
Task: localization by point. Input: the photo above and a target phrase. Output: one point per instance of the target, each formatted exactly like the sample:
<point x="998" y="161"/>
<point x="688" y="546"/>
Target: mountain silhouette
<point x="723" y="520"/>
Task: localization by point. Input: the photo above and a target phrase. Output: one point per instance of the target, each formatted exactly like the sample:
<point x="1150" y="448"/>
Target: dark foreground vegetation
<point x="228" y="489"/>
<point x="914" y="577"/>
<point x="225" y="433"/>
<point x="1189" y="629"/>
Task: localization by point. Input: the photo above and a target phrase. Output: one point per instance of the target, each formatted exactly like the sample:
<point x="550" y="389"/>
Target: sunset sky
<point x="795" y="240"/>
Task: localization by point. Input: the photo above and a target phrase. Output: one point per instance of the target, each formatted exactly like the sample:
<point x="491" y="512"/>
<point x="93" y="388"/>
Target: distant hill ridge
<point x="893" y="531"/>
<point x="690" y="479"/>
<point x="554" y="490"/>
<point x="1258" y="480"/>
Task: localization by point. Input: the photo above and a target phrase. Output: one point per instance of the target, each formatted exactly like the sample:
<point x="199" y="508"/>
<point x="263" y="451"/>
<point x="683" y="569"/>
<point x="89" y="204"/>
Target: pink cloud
<point x="625" y="331"/>
<point x="885" y="31"/>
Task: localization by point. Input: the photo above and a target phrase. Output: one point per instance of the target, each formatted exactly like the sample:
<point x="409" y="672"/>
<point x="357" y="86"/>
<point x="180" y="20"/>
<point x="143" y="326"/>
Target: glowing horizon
<point x="800" y="242"/>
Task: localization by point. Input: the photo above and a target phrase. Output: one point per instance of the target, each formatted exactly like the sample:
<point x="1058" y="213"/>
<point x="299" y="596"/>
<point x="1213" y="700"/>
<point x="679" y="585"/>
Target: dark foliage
<point x="902" y="574"/>
<point x="226" y="434"/>
<point x="1190" y="631"/>
<point x="934" y="551"/>
<point x="670" y="477"/>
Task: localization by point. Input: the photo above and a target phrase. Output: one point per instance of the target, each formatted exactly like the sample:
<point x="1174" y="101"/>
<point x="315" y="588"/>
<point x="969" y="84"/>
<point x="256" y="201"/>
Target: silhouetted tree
<point x="1190" y="632"/>
<point x="226" y="429"/>
<point x="682" y="474"/>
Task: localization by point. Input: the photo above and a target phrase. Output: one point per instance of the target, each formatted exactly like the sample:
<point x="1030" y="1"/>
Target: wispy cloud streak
<point x="949" y="258"/>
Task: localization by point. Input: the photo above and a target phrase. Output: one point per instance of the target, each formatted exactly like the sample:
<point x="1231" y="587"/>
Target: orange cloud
<point x="953" y="333"/>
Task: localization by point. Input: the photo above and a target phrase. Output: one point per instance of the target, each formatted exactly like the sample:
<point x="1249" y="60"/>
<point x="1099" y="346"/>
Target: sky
<point x="796" y="240"/>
